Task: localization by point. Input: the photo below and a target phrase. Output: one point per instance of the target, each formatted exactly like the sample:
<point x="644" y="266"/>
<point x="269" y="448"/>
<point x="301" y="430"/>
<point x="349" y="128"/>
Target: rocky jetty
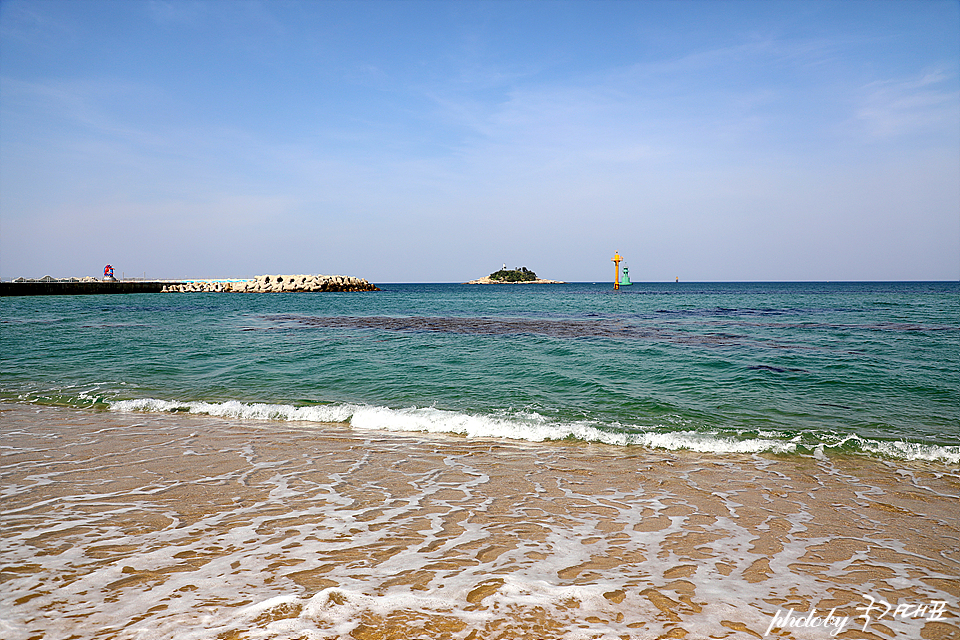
<point x="277" y="284"/>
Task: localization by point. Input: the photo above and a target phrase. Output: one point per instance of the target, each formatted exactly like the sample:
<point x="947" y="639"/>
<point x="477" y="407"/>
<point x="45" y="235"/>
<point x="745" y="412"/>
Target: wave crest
<point x="533" y="427"/>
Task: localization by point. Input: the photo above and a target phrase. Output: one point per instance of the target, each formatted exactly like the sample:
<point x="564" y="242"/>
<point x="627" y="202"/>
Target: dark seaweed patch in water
<point x="116" y="325"/>
<point x="766" y="367"/>
<point x="511" y="326"/>
<point x="728" y="312"/>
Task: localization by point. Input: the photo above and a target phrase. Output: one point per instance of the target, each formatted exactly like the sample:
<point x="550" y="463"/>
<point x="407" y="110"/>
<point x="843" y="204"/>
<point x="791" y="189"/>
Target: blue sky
<point x="434" y="141"/>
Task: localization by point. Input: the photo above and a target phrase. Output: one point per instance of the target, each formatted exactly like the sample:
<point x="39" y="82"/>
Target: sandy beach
<point x="125" y="525"/>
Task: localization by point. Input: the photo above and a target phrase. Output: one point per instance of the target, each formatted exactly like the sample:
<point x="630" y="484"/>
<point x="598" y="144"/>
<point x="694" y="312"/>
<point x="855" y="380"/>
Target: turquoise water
<point x="792" y="368"/>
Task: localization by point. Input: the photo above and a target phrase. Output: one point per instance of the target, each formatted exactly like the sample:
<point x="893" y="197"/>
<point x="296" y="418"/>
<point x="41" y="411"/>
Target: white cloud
<point x="180" y="13"/>
<point x="923" y="104"/>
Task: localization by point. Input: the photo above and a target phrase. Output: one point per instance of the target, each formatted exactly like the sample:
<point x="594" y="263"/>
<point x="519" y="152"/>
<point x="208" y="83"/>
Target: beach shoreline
<point x="196" y="526"/>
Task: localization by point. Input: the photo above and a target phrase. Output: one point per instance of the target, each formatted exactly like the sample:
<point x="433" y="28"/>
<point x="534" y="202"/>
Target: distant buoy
<point x="616" y="261"/>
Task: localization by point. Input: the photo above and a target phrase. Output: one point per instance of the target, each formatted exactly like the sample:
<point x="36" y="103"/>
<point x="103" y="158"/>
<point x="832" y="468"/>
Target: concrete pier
<point x="67" y="288"/>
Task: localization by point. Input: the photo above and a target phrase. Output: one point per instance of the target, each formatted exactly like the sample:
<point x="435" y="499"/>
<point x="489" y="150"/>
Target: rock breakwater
<point x="276" y="284"/>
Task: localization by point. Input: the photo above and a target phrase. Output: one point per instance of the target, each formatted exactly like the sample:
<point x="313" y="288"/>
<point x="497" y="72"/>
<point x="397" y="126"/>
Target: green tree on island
<point x="520" y="274"/>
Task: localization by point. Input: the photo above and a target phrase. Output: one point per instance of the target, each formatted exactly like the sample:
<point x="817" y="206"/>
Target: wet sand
<point x="124" y="525"/>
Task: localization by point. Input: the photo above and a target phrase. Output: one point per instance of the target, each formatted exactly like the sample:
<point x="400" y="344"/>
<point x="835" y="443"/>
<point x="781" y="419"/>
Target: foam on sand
<point x="123" y="525"/>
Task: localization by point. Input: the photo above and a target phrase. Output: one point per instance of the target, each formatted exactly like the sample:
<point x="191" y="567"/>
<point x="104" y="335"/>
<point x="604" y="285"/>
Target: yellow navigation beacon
<point x="616" y="261"/>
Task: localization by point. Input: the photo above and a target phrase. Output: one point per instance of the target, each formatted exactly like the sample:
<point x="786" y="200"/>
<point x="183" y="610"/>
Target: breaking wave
<point x="534" y="427"/>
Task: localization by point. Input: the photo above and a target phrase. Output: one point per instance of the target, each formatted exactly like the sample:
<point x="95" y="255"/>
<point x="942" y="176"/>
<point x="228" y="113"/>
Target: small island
<point x="520" y="275"/>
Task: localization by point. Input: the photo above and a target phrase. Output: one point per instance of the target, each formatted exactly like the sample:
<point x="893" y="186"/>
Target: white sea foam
<point x="914" y="451"/>
<point x="337" y="610"/>
<point x="532" y="427"/>
<point x="693" y="441"/>
<point x="235" y="409"/>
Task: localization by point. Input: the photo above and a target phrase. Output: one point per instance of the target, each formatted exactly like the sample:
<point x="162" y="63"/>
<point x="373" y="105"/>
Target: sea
<point x="666" y="460"/>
